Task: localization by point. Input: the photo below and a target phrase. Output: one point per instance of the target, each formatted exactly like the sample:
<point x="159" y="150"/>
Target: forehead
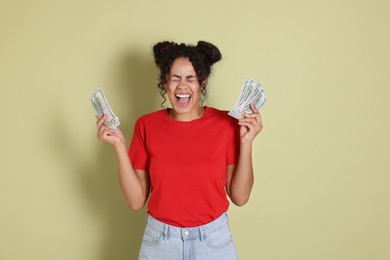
<point x="182" y="67"/>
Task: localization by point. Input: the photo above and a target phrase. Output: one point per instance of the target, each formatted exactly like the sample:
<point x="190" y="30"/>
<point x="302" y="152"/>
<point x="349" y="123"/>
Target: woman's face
<point x="183" y="90"/>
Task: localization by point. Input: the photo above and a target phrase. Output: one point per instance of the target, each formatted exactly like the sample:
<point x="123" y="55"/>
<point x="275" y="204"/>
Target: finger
<point x="105" y="129"/>
<point x="251" y="129"/>
<point x="255" y="115"/>
<point x="100" y="116"/>
<point x="102" y="135"/>
<point x="254" y="109"/>
<point x="247" y="124"/>
<point x="249" y="120"/>
<point x="105" y="134"/>
<point x="101" y="120"/>
<point x="253" y="125"/>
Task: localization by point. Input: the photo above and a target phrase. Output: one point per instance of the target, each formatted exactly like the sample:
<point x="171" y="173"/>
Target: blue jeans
<point x="165" y="242"/>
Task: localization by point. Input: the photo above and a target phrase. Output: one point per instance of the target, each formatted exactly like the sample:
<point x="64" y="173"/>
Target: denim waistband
<point x="190" y="233"/>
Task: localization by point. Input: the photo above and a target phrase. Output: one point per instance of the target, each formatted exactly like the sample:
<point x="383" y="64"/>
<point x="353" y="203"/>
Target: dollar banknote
<point x="251" y="93"/>
<point x="101" y="106"/>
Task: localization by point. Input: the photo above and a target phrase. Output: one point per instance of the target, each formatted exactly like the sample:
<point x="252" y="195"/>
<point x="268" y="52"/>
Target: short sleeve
<point x="233" y="150"/>
<point x="137" y="151"/>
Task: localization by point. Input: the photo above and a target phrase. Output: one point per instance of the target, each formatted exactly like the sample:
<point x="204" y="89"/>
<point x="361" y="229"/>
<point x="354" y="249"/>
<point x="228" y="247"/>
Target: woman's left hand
<point x="251" y="126"/>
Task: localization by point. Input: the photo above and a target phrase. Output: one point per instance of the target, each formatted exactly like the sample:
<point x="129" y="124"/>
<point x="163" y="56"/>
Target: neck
<point x="185" y="117"/>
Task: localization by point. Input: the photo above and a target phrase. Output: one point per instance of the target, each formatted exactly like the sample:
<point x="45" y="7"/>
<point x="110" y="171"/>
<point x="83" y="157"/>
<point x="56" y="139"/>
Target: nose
<point x="181" y="86"/>
<point x="182" y="83"/>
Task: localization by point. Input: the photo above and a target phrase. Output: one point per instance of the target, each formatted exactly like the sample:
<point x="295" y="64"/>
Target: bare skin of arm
<point x="240" y="177"/>
<point x="134" y="183"/>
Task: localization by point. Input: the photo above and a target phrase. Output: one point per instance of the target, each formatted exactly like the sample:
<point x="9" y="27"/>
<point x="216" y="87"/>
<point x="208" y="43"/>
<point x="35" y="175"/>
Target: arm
<point x="240" y="177"/>
<point x="135" y="184"/>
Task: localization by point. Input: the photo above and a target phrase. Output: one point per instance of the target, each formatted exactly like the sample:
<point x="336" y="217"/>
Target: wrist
<point x="245" y="146"/>
<point x="119" y="146"/>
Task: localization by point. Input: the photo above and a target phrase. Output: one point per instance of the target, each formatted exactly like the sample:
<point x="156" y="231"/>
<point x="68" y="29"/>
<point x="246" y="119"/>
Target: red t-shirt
<point x="187" y="163"/>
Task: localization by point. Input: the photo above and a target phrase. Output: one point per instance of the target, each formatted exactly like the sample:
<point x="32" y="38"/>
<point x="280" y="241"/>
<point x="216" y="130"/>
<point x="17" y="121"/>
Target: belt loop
<point x="202" y="234"/>
<point x="165" y="233"/>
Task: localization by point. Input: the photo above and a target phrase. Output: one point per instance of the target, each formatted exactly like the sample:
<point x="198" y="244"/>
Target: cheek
<point x="169" y="90"/>
<point x="196" y="90"/>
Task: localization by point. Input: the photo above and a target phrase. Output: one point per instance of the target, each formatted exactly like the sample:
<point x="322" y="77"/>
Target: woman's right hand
<point x="107" y="135"/>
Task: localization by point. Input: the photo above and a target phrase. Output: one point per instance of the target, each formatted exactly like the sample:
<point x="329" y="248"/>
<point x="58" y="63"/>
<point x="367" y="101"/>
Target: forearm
<point x="243" y="177"/>
<point x="134" y="191"/>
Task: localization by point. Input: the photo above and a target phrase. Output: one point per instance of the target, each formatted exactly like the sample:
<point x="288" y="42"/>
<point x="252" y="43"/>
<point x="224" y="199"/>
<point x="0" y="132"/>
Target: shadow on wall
<point x="136" y="78"/>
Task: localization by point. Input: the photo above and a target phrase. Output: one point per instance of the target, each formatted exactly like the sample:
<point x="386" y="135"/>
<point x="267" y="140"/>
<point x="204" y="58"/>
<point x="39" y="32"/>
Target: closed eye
<point x="191" y="79"/>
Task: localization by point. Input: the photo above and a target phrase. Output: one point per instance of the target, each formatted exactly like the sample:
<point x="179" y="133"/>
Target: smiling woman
<point x="202" y="57"/>
<point x="186" y="160"/>
<point x="184" y="95"/>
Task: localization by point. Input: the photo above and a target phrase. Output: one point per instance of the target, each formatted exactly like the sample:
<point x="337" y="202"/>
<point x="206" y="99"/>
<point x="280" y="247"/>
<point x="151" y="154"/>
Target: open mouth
<point x="183" y="99"/>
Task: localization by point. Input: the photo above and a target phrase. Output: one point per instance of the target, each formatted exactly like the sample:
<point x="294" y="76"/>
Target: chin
<point x="181" y="110"/>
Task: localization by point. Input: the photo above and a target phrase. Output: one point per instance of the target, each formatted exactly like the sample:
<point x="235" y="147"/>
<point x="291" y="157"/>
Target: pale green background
<point x="322" y="160"/>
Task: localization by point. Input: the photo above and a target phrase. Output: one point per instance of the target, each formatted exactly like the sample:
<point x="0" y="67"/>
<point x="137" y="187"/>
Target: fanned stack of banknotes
<point x="251" y="93"/>
<point x="101" y="106"/>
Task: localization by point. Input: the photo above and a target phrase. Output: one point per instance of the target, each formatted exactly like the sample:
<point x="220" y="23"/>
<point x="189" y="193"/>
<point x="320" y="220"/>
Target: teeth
<point x="183" y="96"/>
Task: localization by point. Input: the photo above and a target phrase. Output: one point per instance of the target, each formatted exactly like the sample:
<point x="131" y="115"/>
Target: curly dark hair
<point x="202" y="56"/>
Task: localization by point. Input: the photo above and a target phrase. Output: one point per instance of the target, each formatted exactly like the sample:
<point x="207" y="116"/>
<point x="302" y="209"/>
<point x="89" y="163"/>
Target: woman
<point x="187" y="158"/>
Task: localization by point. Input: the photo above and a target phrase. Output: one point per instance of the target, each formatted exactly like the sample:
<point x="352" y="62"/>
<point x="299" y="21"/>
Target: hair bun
<point x="210" y="51"/>
<point x="160" y="48"/>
